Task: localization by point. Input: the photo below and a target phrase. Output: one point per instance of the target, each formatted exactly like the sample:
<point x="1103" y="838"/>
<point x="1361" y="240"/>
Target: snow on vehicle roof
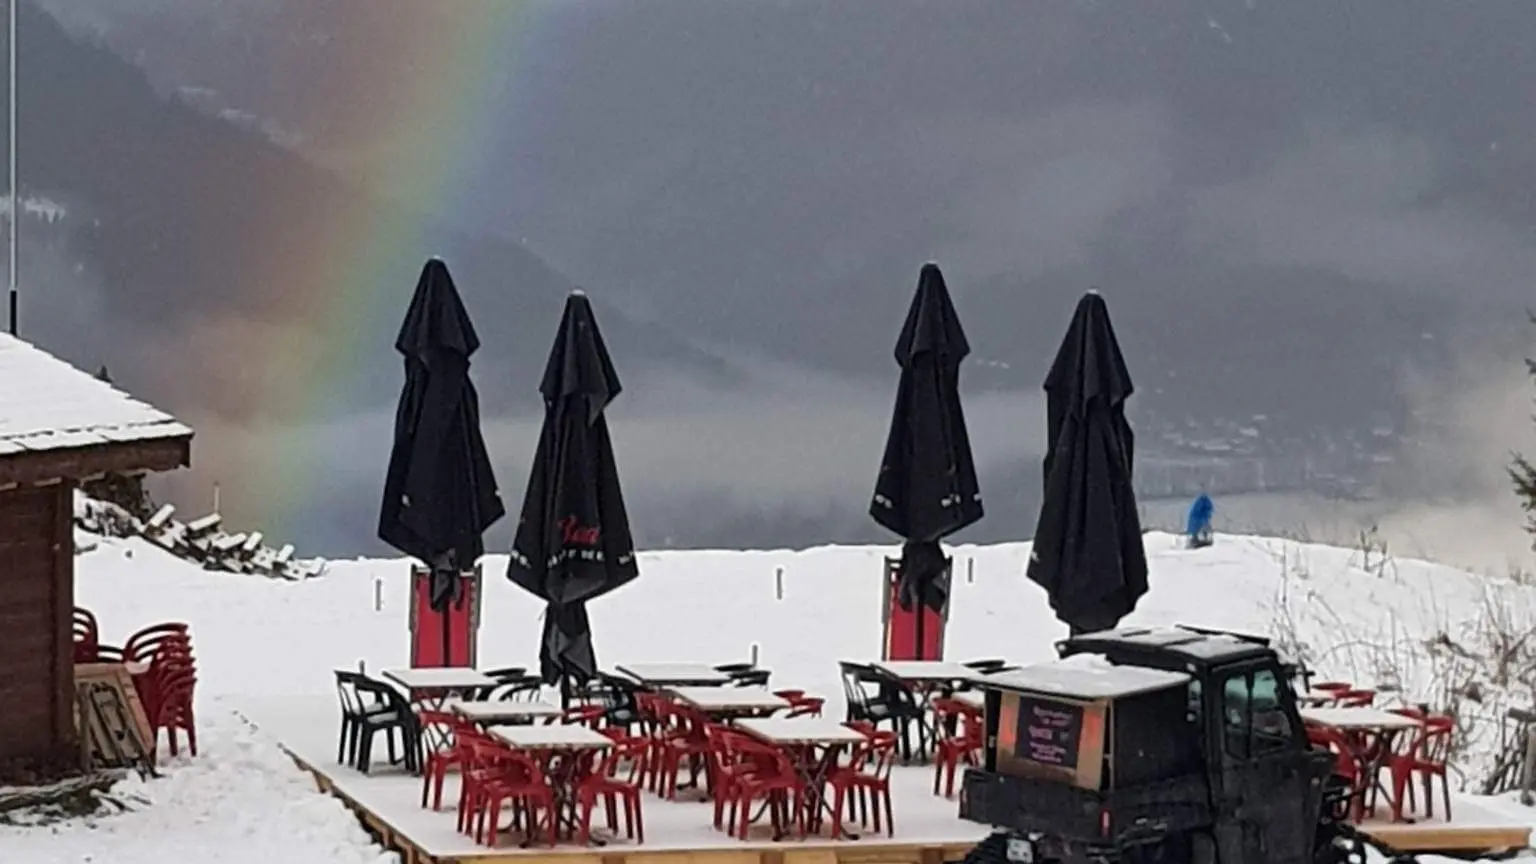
<point x="1084" y="676"/>
<point x="47" y="404"/>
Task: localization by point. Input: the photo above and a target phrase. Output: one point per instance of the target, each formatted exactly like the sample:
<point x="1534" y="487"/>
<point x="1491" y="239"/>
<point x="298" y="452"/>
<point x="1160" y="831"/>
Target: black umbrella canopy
<point x="439" y="491"/>
<point x="927" y="487"/>
<point x="1088" y="552"/>
<point x="573" y="542"/>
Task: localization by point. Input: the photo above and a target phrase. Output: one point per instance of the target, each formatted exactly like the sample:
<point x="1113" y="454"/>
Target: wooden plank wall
<point x="36" y="604"/>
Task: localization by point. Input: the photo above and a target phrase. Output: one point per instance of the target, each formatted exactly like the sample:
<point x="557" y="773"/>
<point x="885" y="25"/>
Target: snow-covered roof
<point x="47" y="404"/>
<point x="1085" y="676"/>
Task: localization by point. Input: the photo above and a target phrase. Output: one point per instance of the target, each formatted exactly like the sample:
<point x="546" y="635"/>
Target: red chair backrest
<point x="805" y="706"/>
<point x="1345" y="756"/>
<point x="882" y="754"/>
<point x="1357" y="698"/>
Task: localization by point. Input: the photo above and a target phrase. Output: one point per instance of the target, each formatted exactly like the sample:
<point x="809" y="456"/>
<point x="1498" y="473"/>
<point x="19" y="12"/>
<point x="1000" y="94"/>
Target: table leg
<point x="819" y="770"/>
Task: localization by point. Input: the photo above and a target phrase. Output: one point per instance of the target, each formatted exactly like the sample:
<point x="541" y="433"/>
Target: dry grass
<point x="1474" y="667"/>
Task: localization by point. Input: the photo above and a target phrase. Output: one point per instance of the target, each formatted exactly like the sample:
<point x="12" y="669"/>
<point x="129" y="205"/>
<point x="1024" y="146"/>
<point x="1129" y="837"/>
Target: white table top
<point x="1358" y="718"/>
<point x="730" y="698"/>
<point x="801" y="730"/>
<point x="502" y="709"/>
<point x="926" y="670"/>
<point x="553" y="737"/>
<point x="441" y="677"/>
<point x="673" y="673"/>
<point x="971" y="698"/>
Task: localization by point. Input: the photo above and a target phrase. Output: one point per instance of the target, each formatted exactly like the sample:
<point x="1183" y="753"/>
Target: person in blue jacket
<point x="1199" y="525"/>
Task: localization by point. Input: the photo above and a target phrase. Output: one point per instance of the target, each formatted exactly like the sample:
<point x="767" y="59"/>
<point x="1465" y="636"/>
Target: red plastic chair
<point x="1346" y="764"/>
<point x="522" y="785"/>
<point x="951" y="749"/>
<point x="731" y="758"/>
<point x="604" y="783"/>
<point x="778" y="783"/>
<point x="581" y="715"/>
<point x="1427" y="755"/>
<point x="434" y="769"/>
<point x="868" y="776"/>
<point x="172" y="710"/>
<point x="688" y="742"/>
<point x="169" y="655"/>
<point x="806" y="706"/>
<point x="1356" y="698"/>
<point x="140" y="646"/>
<point x="87" y="636"/>
<point x="497" y="775"/>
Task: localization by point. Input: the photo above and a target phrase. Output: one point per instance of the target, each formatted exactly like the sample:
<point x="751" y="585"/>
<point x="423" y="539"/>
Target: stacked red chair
<point x="497" y="776"/>
<point x="87" y="636"/>
<point x="166" y="681"/>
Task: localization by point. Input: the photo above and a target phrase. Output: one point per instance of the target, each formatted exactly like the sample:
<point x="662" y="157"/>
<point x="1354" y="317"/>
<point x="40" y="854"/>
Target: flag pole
<point x="15" y="199"/>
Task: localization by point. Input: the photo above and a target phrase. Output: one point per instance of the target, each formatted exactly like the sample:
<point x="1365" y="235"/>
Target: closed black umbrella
<point x="439" y="492"/>
<point x="927" y="485"/>
<point x="573" y="541"/>
<point x="1088" y="553"/>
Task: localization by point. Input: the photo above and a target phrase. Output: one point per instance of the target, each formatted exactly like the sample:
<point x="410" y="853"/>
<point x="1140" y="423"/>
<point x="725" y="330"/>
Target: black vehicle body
<point x="1153" y="745"/>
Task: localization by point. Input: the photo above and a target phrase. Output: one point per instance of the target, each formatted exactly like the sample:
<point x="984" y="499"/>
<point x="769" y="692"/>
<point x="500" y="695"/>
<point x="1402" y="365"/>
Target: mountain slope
<point x="192" y="225"/>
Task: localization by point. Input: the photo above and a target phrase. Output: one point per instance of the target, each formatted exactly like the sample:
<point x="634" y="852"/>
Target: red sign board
<point x="902" y="638"/>
<point x="446" y="638"/>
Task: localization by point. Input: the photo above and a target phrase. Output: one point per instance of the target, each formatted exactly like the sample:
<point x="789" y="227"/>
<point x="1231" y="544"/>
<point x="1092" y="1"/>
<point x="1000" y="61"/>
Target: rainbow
<point x="432" y="85"/>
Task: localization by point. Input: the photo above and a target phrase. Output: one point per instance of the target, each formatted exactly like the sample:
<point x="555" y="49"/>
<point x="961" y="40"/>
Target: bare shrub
<point x="1471" y="664"/>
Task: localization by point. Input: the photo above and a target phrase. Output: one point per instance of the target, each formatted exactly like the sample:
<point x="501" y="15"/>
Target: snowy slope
<point x="1353" y="615"/>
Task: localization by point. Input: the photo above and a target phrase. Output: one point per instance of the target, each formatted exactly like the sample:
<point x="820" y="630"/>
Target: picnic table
<point x="730" y="702"/>
<point x="804" y="736"/>
<point x="1371" y="733"/>
<point x="562" y="749"/>
<point x="657" y="676"/>
<point x="502" y="711"/>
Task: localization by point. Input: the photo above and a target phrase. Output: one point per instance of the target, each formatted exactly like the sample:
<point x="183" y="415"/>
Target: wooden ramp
<point x="1474" y="828"/>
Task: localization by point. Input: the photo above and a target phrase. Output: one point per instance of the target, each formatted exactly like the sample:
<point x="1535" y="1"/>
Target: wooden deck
<point x="415" y="850"/>
<point x="388" y="802"/>
<point x="679" y="832"/>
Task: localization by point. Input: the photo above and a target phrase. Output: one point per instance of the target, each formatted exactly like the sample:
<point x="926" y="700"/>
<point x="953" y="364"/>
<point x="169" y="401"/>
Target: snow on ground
<point x="1352" y="613"/>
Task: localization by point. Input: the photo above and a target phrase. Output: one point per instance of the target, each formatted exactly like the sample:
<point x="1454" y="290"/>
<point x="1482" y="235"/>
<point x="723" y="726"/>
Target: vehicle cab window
<point x="1254" y="718"/>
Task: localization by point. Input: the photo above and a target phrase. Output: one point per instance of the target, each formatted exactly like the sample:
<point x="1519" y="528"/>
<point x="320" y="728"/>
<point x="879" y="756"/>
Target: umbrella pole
<point x="565" y="691"/>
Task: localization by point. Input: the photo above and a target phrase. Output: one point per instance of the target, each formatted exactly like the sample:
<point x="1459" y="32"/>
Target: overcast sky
<point x="767" y="176"/>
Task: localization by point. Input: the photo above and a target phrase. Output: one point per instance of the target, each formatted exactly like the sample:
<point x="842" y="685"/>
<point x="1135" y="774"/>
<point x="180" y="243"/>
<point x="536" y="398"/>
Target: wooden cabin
<point x="59" y="426"/>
